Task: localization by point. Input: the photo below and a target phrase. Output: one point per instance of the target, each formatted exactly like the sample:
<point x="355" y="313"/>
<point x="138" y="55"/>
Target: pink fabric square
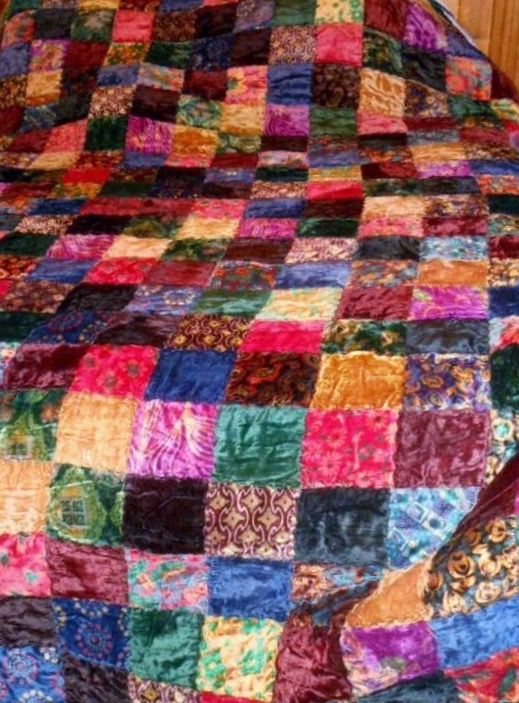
<point x="145" y="136"/>
<point x="449" y="303"/>
<point x="24" y="569"/>
<point x="123" y="372"/>
<point x="174" y="439"/>
<point x="267" y="336"/>
<point x="265" y="228"/>
<point x="339" y="43"/>
<point x="344" y="448"/>
<point x="132" y="26"/>
<point x="287" y="121"/>
<point x="81" y="246"/>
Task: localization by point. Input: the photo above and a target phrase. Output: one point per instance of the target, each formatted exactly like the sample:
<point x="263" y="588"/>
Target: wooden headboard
<point x="494" y="24"/>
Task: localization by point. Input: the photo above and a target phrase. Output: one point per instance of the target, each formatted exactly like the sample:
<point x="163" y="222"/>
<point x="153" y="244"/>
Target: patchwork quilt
<point x="259" y="355"/>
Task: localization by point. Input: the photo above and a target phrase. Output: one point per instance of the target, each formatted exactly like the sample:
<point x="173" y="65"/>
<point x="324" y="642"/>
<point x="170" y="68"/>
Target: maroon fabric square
<point x="441" y="449"/>
<point x="454" y="226"/>
<point x="155" y="103"/>
<point x="387" y="16"/>
<point x="174" y="26"/>
<point x="254" y="250"/>
<point x="179" y="273"/>
<point x="376" y="303"/>
<point x="79" y="571"/>
<point x="42" y="366"/>
<point x="210" y="85"/>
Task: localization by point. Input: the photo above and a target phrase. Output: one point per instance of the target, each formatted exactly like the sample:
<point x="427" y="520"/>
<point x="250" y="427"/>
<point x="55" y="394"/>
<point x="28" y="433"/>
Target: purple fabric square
<point x="423" y="32"/>
<point x="287" y="121"/>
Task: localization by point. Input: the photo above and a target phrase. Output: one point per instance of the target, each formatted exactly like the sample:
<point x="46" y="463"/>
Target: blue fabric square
<point x="31" y="674"/>
<point x="191" y="376"/>
<point x="421" y="519"/>
<point x="313" y="276"/>
<point x="290" y="84"/>
<point x="94" y="632"/>
<point x="212" y="54"/>
<point x="275" y="207"/>
<point x="72" y="327"/>
<point x="467" y="639"/>
<point x="249" y="588"/>
<point x="504" y="302"/>
<point x="118" y="76"/>
<point x="14" y="60"/>
<point x="58" y="207"/>
<point x="61" y="270"/>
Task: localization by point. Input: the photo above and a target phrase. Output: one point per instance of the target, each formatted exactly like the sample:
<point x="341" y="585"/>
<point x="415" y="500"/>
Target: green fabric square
<point x="462" y="107"/>
<point x="93" y="26"/>
<point x="152" y="227"/>
<point x="259" y="446"/>
<point x="290" y="12"/>
<point x="85" y="507"/>
<point x="196" y="250"/>
<point x="172" y="55"/>
<point x="26" y="244"/>
<point x="504" y="383"/>
<point x="17" y="326"/>
<point x="28" y="424"/>
<point x="241" y="304"/>
<point x="106" y="133"/>
<point x="336" y="123"/>
<point x="382" y="53"/>
<point x="238" y="144"/>
<point x="196" y="112"/>
<point x="327" y="227"/>
<point x="165" y="645"/>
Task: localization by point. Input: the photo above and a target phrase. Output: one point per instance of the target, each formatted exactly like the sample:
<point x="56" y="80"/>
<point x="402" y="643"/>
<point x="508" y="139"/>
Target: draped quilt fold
<point x="259" y="355"/>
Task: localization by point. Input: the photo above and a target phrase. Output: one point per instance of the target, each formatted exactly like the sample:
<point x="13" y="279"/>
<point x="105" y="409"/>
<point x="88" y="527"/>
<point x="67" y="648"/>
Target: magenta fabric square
<point x="149" y="136"/>
<point x="423" y="32"/>
<point x="173" y="439"/>
<point x="449" y="303"/>
<point x="287" y="121"/>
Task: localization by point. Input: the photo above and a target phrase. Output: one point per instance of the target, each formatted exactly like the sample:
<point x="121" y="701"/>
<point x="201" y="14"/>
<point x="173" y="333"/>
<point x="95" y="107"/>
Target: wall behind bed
<point x="494" y="24"/>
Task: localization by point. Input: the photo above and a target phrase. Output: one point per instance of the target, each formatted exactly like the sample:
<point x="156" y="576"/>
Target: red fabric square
<point x="387" y="16"/>
<point x="339" y="43"/>
<point x="269" y="336"/>
<point x="119" y="272"/>
<point x="441" y="449"/>
<point x="123" y="372"/>
<point x="179" y="273"/>
<point x="132" y="26"/>
<point x="376" y="303"/>
<point x="78" y="571"/>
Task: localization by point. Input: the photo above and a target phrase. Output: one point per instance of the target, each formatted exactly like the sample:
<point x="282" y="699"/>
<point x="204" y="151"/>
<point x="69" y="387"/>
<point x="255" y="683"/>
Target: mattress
<point x="259" y="355"/>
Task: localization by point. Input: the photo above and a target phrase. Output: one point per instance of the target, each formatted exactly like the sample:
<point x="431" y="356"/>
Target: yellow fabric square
<point x="24" y="495"/>
<point x="192" y="146"/>
<point x="331" y="11"/>
<point x="92" y="5"/>
<point x="242" y="120"/>
<point x="95" y="431"/>
<point x="204" y="228"/>
<point x="394" y="206"/>
<point x="381" y="94"/>
<point x="359" y="380"/>
<point x="43" y="87"/>
<point x="301" y="304"/>
<point x="55" y="160"/>
<point x="136" y="247"/>
<point x="238" y="657"/>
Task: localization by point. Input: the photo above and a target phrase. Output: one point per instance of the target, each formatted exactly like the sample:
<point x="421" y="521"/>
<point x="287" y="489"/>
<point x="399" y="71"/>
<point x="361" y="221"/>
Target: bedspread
<point x="259" y="355"/>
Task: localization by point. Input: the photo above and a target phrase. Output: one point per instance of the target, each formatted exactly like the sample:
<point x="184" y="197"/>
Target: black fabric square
<point x="147" y="330"/>
<point x="217" y="19"/>
<point x="211" y="54"/>
<point x="54" y="23"/>
<point x="251" y="48"/>
<point x="155" y="103"/>
<point x="342" y="526"/>
<point x="164" y="516"/>
<point x="26" y="622"/>
<point x="173" y="182"/>
<point x="389" y="248"/>
<point x="98" y="297"/>
<point x="98" y="224"/>
<point x="335" y="86"/>
<point x="87" y="683"/>
<point x="424" y="68"/>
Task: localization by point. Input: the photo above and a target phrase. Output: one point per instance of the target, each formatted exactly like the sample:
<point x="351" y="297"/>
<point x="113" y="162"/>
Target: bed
<point x="259" y="355"/>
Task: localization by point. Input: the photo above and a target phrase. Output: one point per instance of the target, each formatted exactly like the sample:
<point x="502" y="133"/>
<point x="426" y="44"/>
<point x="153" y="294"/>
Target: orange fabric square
<point x="453" y="273"/>
<point x="24" y="495"/>
<point x="359" y="380"/>
<point x="95" y="431"/>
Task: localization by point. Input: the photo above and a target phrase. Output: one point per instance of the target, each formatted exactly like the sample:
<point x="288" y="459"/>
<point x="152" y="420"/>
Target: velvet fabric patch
<point x="27" y="622"/>
<point x="430" y="451"/>
<point x="250" y="521"/>
<point x="344" y="448"/>
<point x="259" y="446"/>
<point x="100" y="683"/>
<point x="376" y="303"/>
<point x="342" y="526"/>
<point x="164" y="516"/>
<point x="165" y="645"/>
